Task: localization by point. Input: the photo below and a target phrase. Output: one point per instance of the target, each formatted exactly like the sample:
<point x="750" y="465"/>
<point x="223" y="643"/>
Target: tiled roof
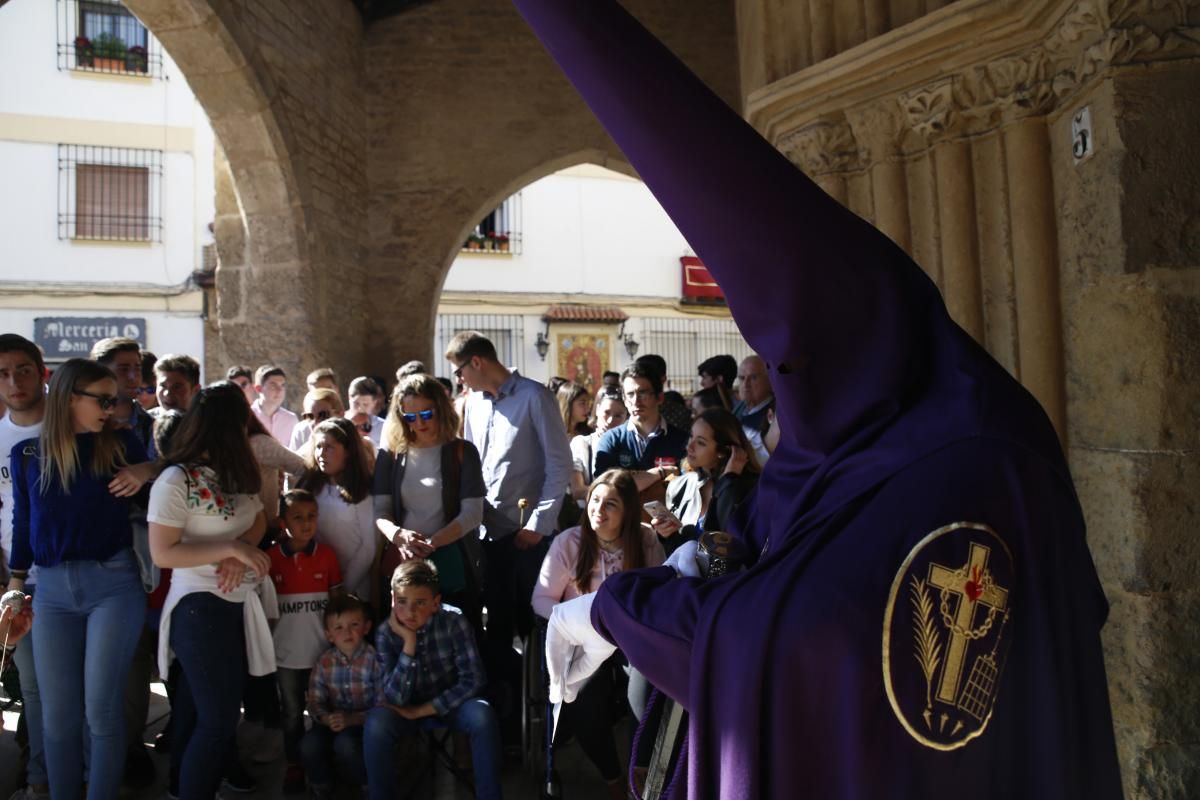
<point x="580" y="312"/>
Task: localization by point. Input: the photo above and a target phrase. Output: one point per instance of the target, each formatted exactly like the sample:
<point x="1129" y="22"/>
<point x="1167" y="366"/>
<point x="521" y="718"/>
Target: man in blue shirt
<point x="516" y="425"/>
<point x="645" y="444"/>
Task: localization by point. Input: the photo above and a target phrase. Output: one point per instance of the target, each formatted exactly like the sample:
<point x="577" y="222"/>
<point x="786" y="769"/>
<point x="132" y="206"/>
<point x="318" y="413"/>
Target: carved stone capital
<point x="825" y="146"/>
<point x="877" y="128"/>
<point x="1090" y="37"/>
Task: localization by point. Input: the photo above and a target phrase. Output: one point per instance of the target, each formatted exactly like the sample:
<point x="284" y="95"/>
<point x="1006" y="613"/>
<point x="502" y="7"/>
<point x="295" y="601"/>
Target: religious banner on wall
<point x="584" y="357"/>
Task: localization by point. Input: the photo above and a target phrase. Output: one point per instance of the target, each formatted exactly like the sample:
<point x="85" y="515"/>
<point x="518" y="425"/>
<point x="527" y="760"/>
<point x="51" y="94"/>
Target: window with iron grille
<point x="499" y="231"/>
<point x="102" y="36"/>
<point x="505" y="331"/>
<point x="685" y="343"/>
<point x="109" y="193"/>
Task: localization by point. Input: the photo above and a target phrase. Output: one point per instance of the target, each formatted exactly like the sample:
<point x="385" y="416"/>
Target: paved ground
<point x="579" y="778"/>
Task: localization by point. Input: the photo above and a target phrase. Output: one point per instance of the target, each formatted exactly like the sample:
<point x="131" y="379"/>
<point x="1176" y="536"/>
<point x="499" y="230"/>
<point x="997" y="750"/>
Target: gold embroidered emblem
<point x="947" y="613"/>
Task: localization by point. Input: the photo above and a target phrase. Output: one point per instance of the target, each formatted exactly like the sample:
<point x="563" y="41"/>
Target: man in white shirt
<point x="23" y="390"/>
<point x="271" y="385"/>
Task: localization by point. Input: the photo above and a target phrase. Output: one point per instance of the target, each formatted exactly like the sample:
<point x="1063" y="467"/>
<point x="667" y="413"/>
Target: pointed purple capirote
<point x="923" y="616"/>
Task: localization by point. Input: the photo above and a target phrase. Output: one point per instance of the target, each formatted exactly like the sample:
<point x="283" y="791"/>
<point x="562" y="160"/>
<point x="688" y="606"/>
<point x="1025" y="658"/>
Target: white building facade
<point x="107" y="165"/>
<point x="591" y="267"/>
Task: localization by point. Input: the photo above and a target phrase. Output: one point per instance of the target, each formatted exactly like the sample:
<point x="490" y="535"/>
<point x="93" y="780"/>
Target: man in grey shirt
<point x="516" y="425"/>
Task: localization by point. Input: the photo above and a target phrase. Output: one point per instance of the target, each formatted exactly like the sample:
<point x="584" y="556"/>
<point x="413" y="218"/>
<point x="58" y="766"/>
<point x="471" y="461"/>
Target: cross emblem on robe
<point x="972" y="591"/>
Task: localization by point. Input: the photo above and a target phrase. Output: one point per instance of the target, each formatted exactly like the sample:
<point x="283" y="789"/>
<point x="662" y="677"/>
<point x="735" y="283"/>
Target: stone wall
<point x="282" y="85"/>
<point x="953" y="134"/>
<point x="465" y="107"/>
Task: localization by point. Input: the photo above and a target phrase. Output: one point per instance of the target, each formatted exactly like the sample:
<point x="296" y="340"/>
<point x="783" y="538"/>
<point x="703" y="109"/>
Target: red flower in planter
<point x="82" y="43"/>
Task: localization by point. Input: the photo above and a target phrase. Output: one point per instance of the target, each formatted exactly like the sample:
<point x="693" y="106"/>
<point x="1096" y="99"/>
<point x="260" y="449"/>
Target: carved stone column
<point x="825" y="150"/>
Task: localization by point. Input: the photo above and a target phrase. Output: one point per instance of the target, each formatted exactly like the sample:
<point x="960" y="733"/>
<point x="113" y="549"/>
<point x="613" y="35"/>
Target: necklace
<point x="609" y="545"/>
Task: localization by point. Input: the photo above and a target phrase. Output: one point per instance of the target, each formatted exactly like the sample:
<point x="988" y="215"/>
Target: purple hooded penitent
<point x="923" y="617"/>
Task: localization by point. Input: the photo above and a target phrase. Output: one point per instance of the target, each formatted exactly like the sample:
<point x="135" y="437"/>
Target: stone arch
<point x="266" y="111"/>
<point x="511" y="186"/>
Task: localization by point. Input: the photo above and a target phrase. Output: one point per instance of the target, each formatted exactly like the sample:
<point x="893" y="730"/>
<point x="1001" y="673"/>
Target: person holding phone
<point x="723" y="471"/>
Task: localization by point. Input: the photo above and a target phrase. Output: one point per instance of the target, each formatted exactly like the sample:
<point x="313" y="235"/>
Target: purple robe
<point x="923" y="615"/>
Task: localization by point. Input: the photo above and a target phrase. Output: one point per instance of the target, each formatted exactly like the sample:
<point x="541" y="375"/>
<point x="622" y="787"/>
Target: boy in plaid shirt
<point x="344" y="685"/>
<point x="431" y="675"/>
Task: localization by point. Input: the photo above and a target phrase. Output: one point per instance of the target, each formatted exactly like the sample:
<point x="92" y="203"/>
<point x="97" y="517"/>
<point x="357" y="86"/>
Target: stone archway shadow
<point x="221" y="61"/>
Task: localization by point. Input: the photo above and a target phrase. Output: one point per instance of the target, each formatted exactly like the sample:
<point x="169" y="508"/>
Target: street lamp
<point x="543" y="345"/>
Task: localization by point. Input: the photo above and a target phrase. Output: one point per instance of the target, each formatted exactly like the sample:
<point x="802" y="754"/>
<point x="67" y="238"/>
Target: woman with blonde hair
<point x="71" y="490"/>
<point x="339" y="476"/>
<point x="318" y="405"/>
<point x="429" y="491"/>
<point x="609" y="539"/>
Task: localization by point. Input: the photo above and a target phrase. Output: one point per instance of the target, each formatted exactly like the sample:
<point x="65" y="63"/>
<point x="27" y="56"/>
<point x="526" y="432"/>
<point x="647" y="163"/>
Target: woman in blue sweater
<point x="71" y="490"/>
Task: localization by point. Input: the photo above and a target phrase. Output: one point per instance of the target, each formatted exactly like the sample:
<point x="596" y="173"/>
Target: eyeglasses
<point x="458" y="370"/>
<point x="107" y="402"/>
<point x="320" y="416"/>
<point x="146" y="390"/>
<point x="425" y="416"/>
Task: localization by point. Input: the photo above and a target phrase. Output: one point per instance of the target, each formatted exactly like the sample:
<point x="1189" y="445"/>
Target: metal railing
<point x="506" y="332"/>
<point x="684" y="343"/>
<point x="102" y="36"/>
<point x="499" y="231"/>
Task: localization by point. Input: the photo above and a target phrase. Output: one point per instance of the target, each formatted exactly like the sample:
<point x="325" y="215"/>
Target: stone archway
<point x="282" y="214"/>
<point x="463" y="109"/>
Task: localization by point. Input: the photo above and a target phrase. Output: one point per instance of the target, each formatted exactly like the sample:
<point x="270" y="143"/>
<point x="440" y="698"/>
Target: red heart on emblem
<point x="973" y="590"/>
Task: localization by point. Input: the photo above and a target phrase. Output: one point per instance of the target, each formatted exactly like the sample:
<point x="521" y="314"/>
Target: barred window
<point x="505" y="331"/>
<point x="684" y="343"/>
<point x="499" y="231"/>
<point x="109" y="193"/>
<point x="102" y="36"/>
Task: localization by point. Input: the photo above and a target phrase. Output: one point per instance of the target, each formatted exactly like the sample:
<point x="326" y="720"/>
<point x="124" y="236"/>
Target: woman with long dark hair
<point x="609" y="539"/>
<point x="71" y="489"/>
<point x="339" y="476"/>
<point x="723" y="471"/>
<point x="206" y="521"/>
<point x="429" y="491"/>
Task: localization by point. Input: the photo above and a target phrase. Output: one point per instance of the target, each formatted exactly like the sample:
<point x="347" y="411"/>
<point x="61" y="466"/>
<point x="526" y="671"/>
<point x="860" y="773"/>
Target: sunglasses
<point x="107" y="402"/>
<point x="425" y="416"/>
<point x="320" y="416"/>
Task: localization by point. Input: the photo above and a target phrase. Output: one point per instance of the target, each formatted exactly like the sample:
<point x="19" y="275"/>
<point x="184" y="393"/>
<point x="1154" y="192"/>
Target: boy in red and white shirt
<point x="305" y="573"/>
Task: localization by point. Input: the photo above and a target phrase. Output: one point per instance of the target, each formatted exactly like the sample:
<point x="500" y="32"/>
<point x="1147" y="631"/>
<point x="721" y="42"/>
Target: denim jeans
<point x="31" y="703"/>
<point x="293" y="694"/>
<point x="385" y="728"/>
<point x="83" y="644"/>
<point x="346" y="747"/>
<point x="209" y="640"/>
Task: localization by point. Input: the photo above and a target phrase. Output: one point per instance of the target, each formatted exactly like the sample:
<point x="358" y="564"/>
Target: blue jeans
<point x="293" y="696"/>
<point x="347" y="749"/>
<point x="31" y="704"/>
<point x="209" y="639"/>
<point x="83" y="643"/>
<point x="385" y="728"/>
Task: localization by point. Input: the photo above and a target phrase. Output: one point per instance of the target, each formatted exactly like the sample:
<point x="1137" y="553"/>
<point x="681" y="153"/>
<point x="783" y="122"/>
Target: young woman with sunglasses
<point x="71" y="490"/>
<point x="339" y="476"/>
<point x="429" y="490"/>
<point x="319" y="405"/>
